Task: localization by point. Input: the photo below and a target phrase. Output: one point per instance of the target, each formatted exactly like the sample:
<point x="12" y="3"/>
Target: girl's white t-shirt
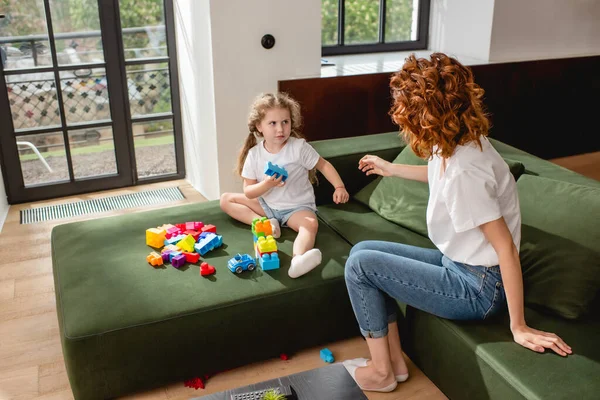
<point x="476" y="187"/>
<point x="297" y="157"/>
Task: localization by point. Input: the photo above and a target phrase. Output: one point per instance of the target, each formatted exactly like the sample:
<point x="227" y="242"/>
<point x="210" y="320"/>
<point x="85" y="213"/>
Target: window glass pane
<point x="361" y="23"/>
<point x="32" y="99"/>
<point x="143" y="28"/>
<point x="329" y="22"/>
<point x="149" y="89"/>
<point x="85" y="95"/>
<point x="92" y="152"/>
<point x="154" y="148"/>
<point x="401" y="20"/>
<point x="43" y="158"/>
<point x="24" y="35"/>
<point x="77" y="35"/>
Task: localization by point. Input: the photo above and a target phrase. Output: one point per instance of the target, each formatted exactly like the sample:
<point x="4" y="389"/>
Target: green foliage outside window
<point x="362" y="21"/>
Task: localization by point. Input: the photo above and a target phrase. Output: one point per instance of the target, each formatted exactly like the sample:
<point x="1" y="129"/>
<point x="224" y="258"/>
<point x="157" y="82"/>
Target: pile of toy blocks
<point x="182" y="243"/>
<point x="265" y="247"/>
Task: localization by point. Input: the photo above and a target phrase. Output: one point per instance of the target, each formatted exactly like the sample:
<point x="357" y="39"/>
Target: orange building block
<point x="154" y="259"/>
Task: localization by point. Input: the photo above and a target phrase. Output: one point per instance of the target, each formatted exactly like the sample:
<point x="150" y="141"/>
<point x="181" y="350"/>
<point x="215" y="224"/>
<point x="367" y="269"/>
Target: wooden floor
<point x="31" y="362"/>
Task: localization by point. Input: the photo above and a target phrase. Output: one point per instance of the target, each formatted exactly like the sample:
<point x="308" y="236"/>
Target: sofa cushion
<point x="344" y="155"/>
<point x="540" y="167"/>
<point x="356" y="222"/>
<point x="480" y="360"/>
<point x="560" y="252"/>
<point x="404" y="201"/>
<point x="126" y="325"/>
<point x="398" y="200"/>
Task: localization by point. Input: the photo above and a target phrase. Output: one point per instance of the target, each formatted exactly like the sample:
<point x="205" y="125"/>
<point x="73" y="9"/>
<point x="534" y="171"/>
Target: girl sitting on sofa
<point x="473" y="218"/>
<point x="276" y="119"/>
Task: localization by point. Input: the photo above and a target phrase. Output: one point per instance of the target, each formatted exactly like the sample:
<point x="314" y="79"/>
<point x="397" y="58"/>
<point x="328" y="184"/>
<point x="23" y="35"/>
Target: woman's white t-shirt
<point x="476" y="187"/>
<point x="297" y="157"/>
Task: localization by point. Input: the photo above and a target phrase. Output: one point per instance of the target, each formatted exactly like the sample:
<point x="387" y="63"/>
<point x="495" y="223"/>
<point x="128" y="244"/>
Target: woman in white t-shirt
<point x="473" y="218"/>
<point x="276" y="119"/>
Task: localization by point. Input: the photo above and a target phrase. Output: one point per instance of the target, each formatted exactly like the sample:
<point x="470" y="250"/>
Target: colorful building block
<point x="181" y="226"/>
<point x="198" y="225"/>
<point x="195" y="234"/>
<point x="209" y="228"/>
<point x="170" y="248"/>
<point x="154" y="259"/>
<point x="178" y="261"/>
<point x="326" y="355"/>
<point x="266" y="245"/>
<point x="155" y="237"/>
<point x="165" y="256"/>
<point x="208" y="241"/>
<point x="191" y="257"/>
<point x="174" y="240"/>
<point x="269" y="261"/>
<point x="261" y="227"/>
<point x="189" y="226"/>
<point x="174" y="231"/>
<point x="206" y="269"/>
<point x="187" y="243"/>
<point x="275" y="170"/>
<point x="174" y="254"/>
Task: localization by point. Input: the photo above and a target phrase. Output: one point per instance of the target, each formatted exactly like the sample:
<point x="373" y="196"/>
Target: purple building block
<point x="166" y="257"/>
<point x="178" y="261"/>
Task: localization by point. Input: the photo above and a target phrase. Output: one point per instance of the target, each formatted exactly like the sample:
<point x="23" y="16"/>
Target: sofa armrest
<point x="344" y="155"/>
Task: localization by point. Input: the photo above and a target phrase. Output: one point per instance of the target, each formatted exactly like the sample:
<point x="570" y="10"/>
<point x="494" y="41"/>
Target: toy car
<point x="240" y="263"/>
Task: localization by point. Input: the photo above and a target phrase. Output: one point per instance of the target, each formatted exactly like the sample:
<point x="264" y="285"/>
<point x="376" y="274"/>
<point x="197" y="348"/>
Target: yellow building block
<point x="266" y="245"/>
<point x="155" y="237"/>
<point x="187" y="244"/>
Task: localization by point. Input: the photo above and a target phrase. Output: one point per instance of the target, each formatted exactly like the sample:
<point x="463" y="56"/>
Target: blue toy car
<point x="240" y="263"/>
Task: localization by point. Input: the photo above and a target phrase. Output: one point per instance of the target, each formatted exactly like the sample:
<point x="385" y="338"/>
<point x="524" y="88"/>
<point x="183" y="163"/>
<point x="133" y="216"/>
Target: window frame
<point x="381" y="46"/>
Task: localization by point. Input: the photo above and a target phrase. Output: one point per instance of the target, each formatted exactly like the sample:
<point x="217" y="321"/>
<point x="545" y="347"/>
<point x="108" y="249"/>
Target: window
<point x="370" y="26"/>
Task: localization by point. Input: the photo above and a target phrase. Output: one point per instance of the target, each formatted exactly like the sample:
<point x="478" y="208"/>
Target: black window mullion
<point x="382" y="6"/>
<point x="59" y="97"/>
<point x="123" y="100"/>
<point x="149" y="60"/>
<point x="174" y="86"/>
<point x="341" y="21"/>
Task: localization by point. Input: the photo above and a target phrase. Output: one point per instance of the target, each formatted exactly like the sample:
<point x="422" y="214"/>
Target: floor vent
<point x="59" y="211"/>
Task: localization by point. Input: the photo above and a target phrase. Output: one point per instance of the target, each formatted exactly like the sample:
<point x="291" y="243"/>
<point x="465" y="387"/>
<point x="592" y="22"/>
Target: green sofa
<point x="126" y="326"/>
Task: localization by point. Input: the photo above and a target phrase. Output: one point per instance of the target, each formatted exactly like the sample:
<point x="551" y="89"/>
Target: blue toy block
<point x="326" y="355"/>
<point x="174" y="239"/>
<point x="173" y="254"/>
<point x="208" y="241"/>
<point x="269" y="261"/>
<point x="274" y="169"/>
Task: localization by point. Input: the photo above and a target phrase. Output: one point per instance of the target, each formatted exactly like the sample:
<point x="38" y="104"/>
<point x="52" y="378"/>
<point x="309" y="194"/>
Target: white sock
<point x="275" y="228"/>
<point x="304" y="263"/>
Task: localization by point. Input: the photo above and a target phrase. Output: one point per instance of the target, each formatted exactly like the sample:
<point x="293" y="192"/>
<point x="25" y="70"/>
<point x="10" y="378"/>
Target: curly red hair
<point x="437" y="103"/>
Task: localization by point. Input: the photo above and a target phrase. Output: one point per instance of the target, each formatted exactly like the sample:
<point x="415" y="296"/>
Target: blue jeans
<point x="378" y="272"/>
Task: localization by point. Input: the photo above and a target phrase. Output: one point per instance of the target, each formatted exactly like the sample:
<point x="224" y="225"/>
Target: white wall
<point x="461" y="27"/>
<point x="538" y="29"/>
<point x="223" y="67"/>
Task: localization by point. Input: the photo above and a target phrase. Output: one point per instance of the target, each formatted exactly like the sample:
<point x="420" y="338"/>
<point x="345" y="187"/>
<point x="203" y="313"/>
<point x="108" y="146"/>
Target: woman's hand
<point x="539" y="340"/>
<point x="340" y="195"/>
<point x="271" y="181"/>
<point x="374" y="165"/>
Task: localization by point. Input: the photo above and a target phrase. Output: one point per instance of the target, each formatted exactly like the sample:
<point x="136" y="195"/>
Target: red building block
<point x="191" y="257"/>
<point x="209" y="228"/>
<point x="194" y="234"/>
<point x="206" y="269"/>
